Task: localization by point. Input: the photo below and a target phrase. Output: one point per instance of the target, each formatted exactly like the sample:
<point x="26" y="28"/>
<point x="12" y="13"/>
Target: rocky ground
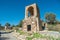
<point x="50" y="35"/>
<point x="45" y="35"/>
<point x="7" y="36"/>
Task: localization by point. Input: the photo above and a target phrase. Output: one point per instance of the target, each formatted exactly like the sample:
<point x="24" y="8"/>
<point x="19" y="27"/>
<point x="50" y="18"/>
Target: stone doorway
<point x="28" y="27"/>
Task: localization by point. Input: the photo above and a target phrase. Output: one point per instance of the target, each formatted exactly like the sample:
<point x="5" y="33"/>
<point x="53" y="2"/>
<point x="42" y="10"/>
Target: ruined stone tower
<point x="32" y="19"/>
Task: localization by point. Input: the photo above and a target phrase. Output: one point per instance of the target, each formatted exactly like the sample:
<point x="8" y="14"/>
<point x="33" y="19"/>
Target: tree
<point x="50" y="17"/>
<point x="20" y="24"/>
<point x="13" y="25"/>
<point x="17" y="25"/>
<point x="7" y="24"/>
<point x="57" y="22"/>
<point x="0" y="25"/>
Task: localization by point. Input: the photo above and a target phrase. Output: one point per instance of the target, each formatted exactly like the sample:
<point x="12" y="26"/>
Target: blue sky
<point x="13" y="11"/>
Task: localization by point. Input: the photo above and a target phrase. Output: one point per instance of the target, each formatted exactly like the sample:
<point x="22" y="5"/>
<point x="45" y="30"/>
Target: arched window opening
<point x="30" y="11"/>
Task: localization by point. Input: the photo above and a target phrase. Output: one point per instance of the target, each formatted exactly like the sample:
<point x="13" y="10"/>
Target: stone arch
<point x="30" y="11"/>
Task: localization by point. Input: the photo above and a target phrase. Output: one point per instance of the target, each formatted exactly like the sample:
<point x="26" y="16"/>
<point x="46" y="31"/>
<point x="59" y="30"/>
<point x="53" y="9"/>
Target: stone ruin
<point x="32" y="22"/>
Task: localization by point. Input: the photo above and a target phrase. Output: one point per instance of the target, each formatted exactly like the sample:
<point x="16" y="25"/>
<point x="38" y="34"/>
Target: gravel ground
<point x="7" y="36"/>
<point x="54" y="34"/>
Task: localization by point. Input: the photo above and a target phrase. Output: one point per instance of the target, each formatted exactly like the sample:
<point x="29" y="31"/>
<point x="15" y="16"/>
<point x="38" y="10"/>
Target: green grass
<point x="37" y="35"/>
<point x="29" y="38"/>
<point x="21" y="32"/>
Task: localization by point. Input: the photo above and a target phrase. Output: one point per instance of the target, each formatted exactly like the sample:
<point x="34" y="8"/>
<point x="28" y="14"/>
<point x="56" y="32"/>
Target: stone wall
<point x="30" y="21"/>
<point x="33" y="19"/>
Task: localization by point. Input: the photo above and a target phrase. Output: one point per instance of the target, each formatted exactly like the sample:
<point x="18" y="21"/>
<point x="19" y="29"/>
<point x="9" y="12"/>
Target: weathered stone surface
<point x="33" y="19"/>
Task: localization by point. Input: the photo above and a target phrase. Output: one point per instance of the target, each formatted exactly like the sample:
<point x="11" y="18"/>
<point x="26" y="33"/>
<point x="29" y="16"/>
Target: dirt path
<point x="7" y="36"/>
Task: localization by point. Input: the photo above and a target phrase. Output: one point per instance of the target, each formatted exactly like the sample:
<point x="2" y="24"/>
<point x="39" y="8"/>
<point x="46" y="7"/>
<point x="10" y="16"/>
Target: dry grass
<point x="54" y="27"/>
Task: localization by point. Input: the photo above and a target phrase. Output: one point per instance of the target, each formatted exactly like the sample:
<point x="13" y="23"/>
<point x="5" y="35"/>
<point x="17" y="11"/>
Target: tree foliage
<point x="50" y="17"/>
<point x="7" y="24"/>
<point x="0" y="25"/>
<point x="13" y="25"/>
<point x="20" y="24"/>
